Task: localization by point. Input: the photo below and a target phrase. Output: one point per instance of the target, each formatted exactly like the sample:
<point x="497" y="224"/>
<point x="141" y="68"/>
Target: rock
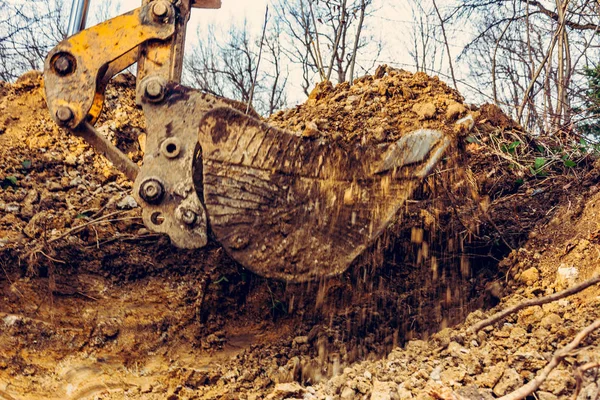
<point x="286" y="390"/>
<point x="559" y="382"/>
<point x="71" y="159"/>
<point x="383" y="390"/>
<point x="298" y="340"/>
<point x="55" y="187"/>
<point x="541" y="395"/>
<point x="551" y="322"/>
<point x="517" y="332"/>
<point x="311" y="130"/>
<point x="12" y="208"/>
<point x="566" y="277"/>
<point x="424" y="110"/>
<point x="436" y="374"/>
<point x="108" y="329"/>
<point x="320" y="91"/>
<point x="348" y="394"/>
<point x="471" y="393"/>
<point x="127" y="203"/>
<point x="455" y="110"/>
<point x="36" y="225"/>
<point x="510" y="381"/>
<point x="453" y="375"/>
<point x="490" y="378"/>
<point x="404" y="394"/>
<point x="530" y="316"/>
<point x="530" y="276"/>
<point x="146" y="387"/>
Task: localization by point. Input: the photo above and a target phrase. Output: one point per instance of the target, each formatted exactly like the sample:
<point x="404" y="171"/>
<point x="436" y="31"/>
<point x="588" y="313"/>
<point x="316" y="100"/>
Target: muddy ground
<point x="94" y="305"/>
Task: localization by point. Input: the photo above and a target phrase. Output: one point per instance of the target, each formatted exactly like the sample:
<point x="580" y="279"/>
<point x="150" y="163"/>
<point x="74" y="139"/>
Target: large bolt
<point x="64" y="114"/>
<point x="188" y="216"/>
<point x="155" y="90"/>
<point x="160" y="9"/>
<point x="63" y="64"/>
<point x="152" y="191"/>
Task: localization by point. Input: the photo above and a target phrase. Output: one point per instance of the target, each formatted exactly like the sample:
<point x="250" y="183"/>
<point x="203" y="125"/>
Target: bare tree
<point x="533" y="56"/>
<point x="28" y="30"/>
<point x="228" y="67"/>
<point x="326" y="37"/>
<point x="423" y="47"/>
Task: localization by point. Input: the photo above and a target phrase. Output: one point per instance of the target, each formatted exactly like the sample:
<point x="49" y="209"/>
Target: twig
<point x="579" y="376"/>
<point x="94" y="221"/>
<point x="51" y="258"/>
<point x="262" y="40"/>
<point x="534" y="302"/>
<point x="558" y="356"/>
<point x="437" y="11"/>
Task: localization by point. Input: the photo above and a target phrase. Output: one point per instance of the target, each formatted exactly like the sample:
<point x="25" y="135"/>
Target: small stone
<point x="566" y="277"/>
<point x="127" y="203"/>
<point x="286" y="390"/>
<point x="530" y="316"/>
<point x="404" y="394"/>
<point x="559" y="382"/>
<point x="455" y="110"/>
<point x="517" y="332"/>
<point x="70" y="159"/>
<point x="54" y="187"/>
<point x="368" y="375"/>
<point x="424" y="110"/>
<point x="453" y="375"/>
<point x="509" y="381"/>
<point x="12" y="208"/>
<point x="348" y="394"/>
<point x="146" y="387"/>
<point x="383" y="390"/>
<point x="311" y="130"/>
<point x="436" y="374"/>
<point x="530" y="276"/>
<point x="551" y="321"/>
<point x="108" y="329"/>
<point x="380" y="134"/>
<point x="298" y="340"/>
<point x="541" y="395"/>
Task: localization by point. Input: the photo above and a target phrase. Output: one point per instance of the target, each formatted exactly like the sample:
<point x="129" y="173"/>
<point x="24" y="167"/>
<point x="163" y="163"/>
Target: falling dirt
<point x="94" y="305"/>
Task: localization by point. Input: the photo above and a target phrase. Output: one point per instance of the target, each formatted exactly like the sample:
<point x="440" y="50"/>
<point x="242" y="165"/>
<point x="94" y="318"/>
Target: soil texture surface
<point x="93" y="305"/>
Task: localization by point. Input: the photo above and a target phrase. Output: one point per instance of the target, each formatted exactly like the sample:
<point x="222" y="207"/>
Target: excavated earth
<point x="94" y="306"/>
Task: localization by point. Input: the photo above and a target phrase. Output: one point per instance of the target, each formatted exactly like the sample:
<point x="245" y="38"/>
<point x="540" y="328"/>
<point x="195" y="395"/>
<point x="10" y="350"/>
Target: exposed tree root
<point x="534" y="302"/>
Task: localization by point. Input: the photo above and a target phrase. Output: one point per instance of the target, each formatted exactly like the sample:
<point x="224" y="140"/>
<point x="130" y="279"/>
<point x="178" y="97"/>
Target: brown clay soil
<point x="93" y="305"/>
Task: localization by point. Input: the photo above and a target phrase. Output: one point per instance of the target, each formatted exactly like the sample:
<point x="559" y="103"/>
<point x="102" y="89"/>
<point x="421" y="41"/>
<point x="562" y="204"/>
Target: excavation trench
<point x="111" y="308"/>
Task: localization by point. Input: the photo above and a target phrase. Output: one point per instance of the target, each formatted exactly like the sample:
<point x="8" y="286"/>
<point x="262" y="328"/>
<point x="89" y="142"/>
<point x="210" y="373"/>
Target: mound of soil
<point x="96" y="306"/>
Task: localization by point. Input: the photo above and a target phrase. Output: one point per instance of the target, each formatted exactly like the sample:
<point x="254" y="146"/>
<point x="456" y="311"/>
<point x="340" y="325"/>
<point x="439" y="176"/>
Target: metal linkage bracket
<point x="77" y="69"/>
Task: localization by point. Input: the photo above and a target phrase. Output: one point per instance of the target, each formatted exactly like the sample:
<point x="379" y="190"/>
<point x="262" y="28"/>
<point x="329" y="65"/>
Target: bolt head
<point x="189" y="217"/>
<point x="160" y="9"/>
<point x="64" y="114"/>
<point x="154" y="90"/>
<point x="152" y="191"/>
<point x="63" y="65"/>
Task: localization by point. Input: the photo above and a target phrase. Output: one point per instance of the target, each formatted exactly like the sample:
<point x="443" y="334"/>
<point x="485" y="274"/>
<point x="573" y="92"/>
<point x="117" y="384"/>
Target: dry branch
<point x="534" y="302"/>
<point x="558" y="356"/>
<point x="579" y="376"/>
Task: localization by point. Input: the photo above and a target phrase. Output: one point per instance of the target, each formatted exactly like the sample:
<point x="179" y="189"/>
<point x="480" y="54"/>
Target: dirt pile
<point x="376" y="108"/>
<point x="94" y="305"/>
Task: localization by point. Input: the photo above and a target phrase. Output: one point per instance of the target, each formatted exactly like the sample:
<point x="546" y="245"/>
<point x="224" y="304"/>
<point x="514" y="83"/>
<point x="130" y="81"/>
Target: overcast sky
<point x="392" y="22"/>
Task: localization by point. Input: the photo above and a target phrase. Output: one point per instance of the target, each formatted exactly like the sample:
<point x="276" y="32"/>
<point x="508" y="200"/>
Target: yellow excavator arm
<point x="285" y="206"/>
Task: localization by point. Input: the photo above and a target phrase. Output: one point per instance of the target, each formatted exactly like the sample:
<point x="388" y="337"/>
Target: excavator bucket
<point x="283" y="205"/>
<point x="299" y="208"/>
